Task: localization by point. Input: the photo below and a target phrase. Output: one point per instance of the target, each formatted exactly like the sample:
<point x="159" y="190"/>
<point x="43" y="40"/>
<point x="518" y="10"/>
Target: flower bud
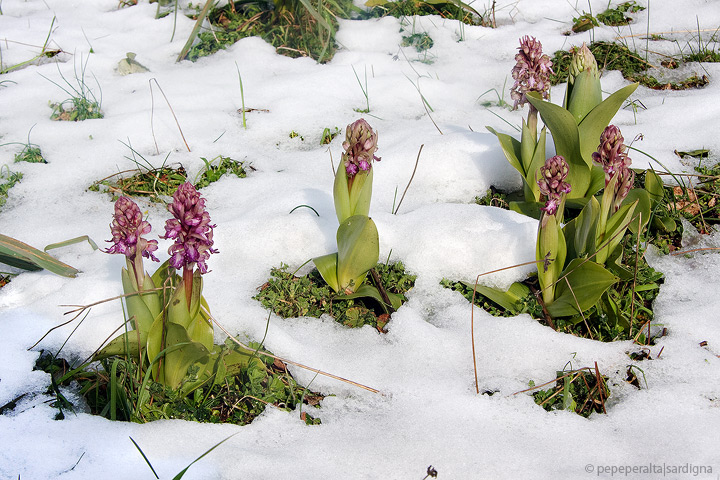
<point x="552" y="184"/>
<point x="360" y="146"/>
<point x="582" y="60"/>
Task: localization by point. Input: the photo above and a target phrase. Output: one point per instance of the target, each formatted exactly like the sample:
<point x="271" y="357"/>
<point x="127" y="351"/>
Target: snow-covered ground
<point x="427" y="412"/>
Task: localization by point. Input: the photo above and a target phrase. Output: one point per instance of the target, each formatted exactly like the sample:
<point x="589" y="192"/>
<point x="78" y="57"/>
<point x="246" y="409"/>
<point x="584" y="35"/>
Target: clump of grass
<point x="420" y="41"/>
<point x="114" y="390"/>
<point x="582" y="391"/>
<point x="408" y="8"/>
<point x="329" y="135"/>
<point x="8" y="179"/>
<point x="290" y="296"/>
<point x="217" y="168"/>
<point x="155" y="183"/>
<point x="82" y="104"/>
<point x="493" y="198"/>
<point x="615" y="17"/>
<point x="614" y="56"/>
<point x="292" y="29"/>
<point x="30" y="154"/>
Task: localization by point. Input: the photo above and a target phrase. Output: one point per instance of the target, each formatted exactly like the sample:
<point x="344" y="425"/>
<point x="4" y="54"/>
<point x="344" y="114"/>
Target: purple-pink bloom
<point x="612" y="158"/>
<point x="552" y="182"/>
<point x="190" y="228"/>
<point x="360" y="146"/>
<point x="531" y="71"/>
<point x="127" y="229"/>
<point x="611" y="154"/>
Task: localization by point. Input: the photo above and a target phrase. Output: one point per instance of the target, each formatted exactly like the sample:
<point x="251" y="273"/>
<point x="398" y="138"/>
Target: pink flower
<point x="531" y="72"/>
<point x="127" y="229"/>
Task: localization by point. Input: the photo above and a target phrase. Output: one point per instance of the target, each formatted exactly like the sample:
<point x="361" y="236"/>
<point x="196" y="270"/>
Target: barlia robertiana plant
<point x="171" y="329"/>
<point x="575" y="126"/>
<point x="357" y="236"/>
<point x="580" y="260"/>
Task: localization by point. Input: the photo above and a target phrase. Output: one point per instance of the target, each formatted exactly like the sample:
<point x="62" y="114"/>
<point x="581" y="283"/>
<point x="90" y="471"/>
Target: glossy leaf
<point x="352" y="197"/>
<point x="510" y="299"/>
<point x="358" y="251"/>
<point x="588" y="281"/>
<point x="327" y="267"/>
<point x="144" y="308"/>
<point x="511" y="149"/>
<point x="592" y="126"/>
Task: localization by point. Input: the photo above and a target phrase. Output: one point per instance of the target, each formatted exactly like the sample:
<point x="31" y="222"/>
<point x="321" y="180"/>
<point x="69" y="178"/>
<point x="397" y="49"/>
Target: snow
<point x="427" y="411"/>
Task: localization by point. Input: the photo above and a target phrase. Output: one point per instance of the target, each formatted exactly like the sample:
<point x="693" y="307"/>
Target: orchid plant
<point x="357" y="237"/>
<point x="171" y="325"/>
<point x="578" y="261"/>
<point x="575" y="126"/>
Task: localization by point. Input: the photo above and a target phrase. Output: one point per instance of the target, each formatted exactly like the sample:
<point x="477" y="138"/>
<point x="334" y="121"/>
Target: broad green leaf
<point x="592" y="126"/>
<point x="327" y="267"/>
<point x="178" y="360"/>
<point x="511" y="148"/>
<point x="370" y="291"/>
<point x="588" y="280"/>
<point x="375" y="3"/>
<point x="585" y="229"/>
<point x="122" y="345"/>
<point x="177" y="310"/>
<point x="143" y="307"/>
<point x="654" y="186"/>
<point x="358" y="250"/>
<point x="565" y="134"/>
<point x="355" y="199"/>
<point x="528" y="142"/>
<point x="597" y="180"/>
<point x="201" y="329"/>
<point x="585" y="94"/>
<point x="614" y="232"/>
<point x="510" y="299"/>
<point x="550" y="248"/>
<point x="529" y="209"/>
<point x="538" y="160"/>
<point x="643" y="208"/>
<point x="18" y="254"/>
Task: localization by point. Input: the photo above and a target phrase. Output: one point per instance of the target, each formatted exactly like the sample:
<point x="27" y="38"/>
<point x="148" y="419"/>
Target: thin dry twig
<point x="152" y="111"/>
<point x="265" y="354"/>
<point x="417" y="160"/>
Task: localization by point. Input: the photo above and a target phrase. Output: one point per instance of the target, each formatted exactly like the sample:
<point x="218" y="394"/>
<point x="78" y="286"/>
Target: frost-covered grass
<point x="427" y="411"/>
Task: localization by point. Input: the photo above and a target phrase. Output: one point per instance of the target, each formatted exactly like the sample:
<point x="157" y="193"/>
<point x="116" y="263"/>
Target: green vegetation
<point x="613" y="56"/>
<point x="452" y="10"/>
<point x="116" y="391"/>
<point x="582" y="391"/>
<point x="8" y="180"/>
<point x="290" y="296"/>
<point x="304" y="28"/>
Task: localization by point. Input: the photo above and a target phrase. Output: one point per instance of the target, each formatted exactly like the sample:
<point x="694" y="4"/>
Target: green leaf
<point x="654" y="186"/>
<point x="181" y="353"/>
<point x="550" y="247"/>
<point x="139" y="304"/>
<point x="592" y="126"/>
<point x="643" y="208"/>
<point x="122" y="345"/>
<point x="510" y="299"/>
<point x="614" y="232"/>
<point x="529" y="209"/>
<point x="355" y="199"/>
<point x="588" y="281"/>
<point x="327" y="267"/>
<point x="18" y="254"/>
<point x="184" y="471"/>
<point x="511" y="149"/>
<point x="72" y="241"/>
<point x="585" y="229"/>
<point x="585" y="95"/>
<point x="358" y="250"/>
<point x="565" y="134"/>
